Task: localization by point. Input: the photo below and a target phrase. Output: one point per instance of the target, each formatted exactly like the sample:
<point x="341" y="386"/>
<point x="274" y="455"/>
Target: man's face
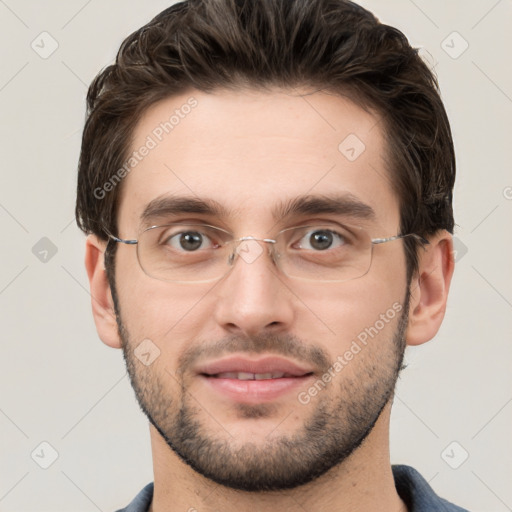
<point x="252" y="153"/>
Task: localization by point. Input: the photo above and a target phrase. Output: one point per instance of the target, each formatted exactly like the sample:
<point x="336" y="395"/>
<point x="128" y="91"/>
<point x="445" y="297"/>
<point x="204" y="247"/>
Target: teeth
<point x="249" y="376"/>
<point x="262" y="376"/>
<point x="245" y="376"/>
<point x="227" y="375"/>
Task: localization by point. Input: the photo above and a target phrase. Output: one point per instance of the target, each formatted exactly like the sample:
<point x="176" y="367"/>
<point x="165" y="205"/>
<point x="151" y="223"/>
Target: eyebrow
<point x="168" y="205"/>
<point x="345" y="204"/>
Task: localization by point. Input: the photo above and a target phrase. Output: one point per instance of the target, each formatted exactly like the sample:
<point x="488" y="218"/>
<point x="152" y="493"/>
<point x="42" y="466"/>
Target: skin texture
<point x="249" y="151"/>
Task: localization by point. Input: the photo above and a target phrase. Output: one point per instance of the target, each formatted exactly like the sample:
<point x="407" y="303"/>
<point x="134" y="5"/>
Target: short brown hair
<point x="333" y="45"/>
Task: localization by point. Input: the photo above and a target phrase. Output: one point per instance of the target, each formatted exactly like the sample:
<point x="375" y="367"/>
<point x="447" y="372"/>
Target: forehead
<point x="251" y="152"/>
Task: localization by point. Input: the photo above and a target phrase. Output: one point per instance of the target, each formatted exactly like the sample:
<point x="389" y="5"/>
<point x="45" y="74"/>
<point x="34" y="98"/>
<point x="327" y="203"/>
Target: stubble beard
<point x="336" y="426"/>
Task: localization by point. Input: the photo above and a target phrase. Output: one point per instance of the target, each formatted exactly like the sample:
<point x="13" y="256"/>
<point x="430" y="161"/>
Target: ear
<point x="101" y="296"/>
<point x="429" y="288"/>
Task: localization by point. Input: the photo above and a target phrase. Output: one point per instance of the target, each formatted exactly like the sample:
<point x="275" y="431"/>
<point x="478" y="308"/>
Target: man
<point x="267" y="190"/>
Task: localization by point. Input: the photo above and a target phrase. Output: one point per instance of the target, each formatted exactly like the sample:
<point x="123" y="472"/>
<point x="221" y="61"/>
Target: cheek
<point x="153" y="309"/>
<point x="340" y="312"/>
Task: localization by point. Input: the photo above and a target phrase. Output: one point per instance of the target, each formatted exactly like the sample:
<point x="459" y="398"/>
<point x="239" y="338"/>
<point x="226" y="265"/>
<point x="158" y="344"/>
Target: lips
<point x="269" y="367"/>
<point x="251" y="381"/>
<point x="251" y="376"/>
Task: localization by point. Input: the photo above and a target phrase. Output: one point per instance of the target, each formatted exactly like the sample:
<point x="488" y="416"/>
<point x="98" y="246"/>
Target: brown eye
<point x="321" y="240"/>
<point x="188" y="241"/>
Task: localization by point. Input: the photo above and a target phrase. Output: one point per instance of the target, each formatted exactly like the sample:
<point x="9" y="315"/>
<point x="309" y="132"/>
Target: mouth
<point x="253" y="376"/>
<point x="254" y="381"/>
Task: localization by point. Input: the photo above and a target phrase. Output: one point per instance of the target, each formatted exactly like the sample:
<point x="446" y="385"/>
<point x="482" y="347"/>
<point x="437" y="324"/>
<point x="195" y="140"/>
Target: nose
<point x="253" y="297"/>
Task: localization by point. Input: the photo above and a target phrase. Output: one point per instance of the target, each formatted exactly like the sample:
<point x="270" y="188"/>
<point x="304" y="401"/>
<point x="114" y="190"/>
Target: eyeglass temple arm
<point x="396" y="237"/>
<point x="120" y="240"/>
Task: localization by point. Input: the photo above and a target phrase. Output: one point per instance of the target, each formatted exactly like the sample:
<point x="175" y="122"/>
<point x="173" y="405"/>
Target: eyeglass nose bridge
<point x="249" y="256"/>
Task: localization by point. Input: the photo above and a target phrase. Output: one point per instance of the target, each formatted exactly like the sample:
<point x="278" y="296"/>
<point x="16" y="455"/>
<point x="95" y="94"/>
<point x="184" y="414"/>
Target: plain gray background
<point x="61" y="385"/>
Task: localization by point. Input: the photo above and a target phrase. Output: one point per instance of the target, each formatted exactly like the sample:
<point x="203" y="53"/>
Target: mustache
<point x="286" y="345"/>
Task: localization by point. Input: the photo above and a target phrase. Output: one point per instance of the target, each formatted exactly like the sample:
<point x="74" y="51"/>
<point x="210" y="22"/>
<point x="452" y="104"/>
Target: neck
<point x="363" y="482"/>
